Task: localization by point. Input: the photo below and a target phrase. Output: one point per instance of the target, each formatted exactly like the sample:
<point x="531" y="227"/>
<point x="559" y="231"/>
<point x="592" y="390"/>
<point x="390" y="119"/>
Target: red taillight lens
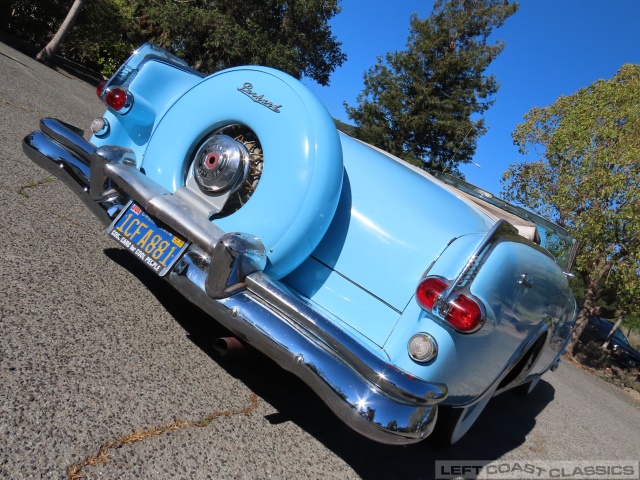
<point x="100" y="88"/>
<point x="464" y="314"/>
<point x="116" y="98"/>
<point x="428" y="292"/>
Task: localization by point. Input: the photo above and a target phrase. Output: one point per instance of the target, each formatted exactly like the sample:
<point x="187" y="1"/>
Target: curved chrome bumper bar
<point x="222" y="274"/>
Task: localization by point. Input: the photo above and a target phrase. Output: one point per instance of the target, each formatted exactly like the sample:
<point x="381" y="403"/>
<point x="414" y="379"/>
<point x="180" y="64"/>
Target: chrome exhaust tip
<point x="231" y="347"/>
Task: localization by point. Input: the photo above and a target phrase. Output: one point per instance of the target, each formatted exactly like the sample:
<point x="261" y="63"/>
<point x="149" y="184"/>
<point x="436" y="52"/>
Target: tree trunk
<point x="589" y="305"/>
<point x="615" y="327"/>
<point x="581" y="322"/>
<point x="52" y="47"/>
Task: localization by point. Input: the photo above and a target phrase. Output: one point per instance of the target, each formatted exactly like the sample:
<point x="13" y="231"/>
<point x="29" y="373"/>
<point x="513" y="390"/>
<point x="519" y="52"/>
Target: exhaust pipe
<point x="230" y="346"/>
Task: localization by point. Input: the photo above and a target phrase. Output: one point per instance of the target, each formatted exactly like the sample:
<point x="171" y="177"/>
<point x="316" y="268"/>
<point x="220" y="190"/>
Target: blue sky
<point x="553" y="47"/>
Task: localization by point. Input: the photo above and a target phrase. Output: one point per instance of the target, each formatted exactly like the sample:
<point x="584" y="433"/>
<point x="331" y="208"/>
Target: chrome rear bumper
<point x="222" y="274"/>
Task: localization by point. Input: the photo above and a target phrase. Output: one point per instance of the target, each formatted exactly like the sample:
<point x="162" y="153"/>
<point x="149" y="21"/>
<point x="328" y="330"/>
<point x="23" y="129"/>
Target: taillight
<point x="428" y="292"/>
<point x="100" y="88"/>
<point x="464" y="314"/>
<point x="116" y="98"/>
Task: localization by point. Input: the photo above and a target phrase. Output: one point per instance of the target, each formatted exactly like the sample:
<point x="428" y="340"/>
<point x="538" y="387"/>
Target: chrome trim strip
<point x="447" y="295"/>
<point x="572" y="257"/>
<point x="170" y="62"/>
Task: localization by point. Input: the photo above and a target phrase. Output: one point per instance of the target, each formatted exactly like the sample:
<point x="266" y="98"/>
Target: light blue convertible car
<point x="404" y="300"/>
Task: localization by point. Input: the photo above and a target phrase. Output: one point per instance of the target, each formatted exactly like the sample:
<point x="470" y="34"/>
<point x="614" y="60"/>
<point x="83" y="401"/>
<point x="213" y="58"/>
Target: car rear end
<point x="414" y="296"/>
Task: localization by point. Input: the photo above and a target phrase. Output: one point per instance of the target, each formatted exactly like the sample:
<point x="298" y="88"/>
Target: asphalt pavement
<point x="106" y="372"/>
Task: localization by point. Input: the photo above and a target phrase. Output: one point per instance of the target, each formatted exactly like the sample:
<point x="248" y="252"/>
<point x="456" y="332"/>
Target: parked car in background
<point x="621" y="351"/>
<point x="405" y="300"/>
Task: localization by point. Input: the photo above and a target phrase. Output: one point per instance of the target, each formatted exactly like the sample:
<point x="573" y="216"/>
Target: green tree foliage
<point x="587" y="179"/>
<point x="631" y="322"/>
<point x="291" y="35"/>
<point x="36" y="22"/>
<point x="103" y="35"/>
<point x="424" y="104"/>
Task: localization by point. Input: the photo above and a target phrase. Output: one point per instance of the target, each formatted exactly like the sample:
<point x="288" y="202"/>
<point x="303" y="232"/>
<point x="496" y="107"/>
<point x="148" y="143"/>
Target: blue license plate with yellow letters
<point x="154" y="244"/>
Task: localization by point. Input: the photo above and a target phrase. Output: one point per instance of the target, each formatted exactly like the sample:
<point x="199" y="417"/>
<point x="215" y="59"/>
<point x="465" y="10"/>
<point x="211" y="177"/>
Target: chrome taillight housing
<point x="461" y="311"/>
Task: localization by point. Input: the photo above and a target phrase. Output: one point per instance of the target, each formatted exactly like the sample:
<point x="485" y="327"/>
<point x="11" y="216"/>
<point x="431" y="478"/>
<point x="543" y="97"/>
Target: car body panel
<point x="388" y="227"/>
<point x="152" y="100"/>
<point x="356" y="308"/>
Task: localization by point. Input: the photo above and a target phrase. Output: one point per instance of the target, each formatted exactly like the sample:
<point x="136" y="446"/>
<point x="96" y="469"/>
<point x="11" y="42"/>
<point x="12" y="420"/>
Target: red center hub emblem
<point x="211" y="160"/>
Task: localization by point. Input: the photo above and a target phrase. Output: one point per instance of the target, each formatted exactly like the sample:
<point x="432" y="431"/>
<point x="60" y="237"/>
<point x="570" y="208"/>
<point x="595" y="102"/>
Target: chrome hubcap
<point x="221" y="164"/>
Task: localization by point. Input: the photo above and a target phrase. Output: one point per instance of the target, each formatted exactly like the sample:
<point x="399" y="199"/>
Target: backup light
<point x="100" y="126"/>
<point x="422" y="347"/>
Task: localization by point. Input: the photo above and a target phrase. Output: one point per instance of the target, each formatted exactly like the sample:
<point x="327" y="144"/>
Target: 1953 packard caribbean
<point x="404" y="300"/>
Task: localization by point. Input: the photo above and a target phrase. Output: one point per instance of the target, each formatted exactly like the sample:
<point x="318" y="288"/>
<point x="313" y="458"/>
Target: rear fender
<point x="517" y="314"/>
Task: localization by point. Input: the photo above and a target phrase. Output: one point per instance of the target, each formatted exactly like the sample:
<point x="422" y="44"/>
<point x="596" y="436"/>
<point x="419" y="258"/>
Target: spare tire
<point x="298" y="191"/>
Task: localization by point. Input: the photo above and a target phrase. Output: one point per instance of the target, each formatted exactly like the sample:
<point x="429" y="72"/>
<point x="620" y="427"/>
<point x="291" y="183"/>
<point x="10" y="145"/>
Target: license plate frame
<point x="145" y="238"/>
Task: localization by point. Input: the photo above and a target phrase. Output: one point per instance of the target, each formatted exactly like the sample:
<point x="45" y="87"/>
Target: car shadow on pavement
<point x="502" y="427"/>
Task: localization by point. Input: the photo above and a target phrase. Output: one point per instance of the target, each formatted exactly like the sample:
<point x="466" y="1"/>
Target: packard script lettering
<point x="247" y="89"/>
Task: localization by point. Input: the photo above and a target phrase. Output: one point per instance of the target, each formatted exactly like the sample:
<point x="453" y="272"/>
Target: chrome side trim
<point x="440" y="306"/>
<point x="167" y="61"/>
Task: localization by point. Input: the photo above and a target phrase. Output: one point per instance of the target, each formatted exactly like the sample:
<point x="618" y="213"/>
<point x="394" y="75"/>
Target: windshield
<point x="553" y="238"/>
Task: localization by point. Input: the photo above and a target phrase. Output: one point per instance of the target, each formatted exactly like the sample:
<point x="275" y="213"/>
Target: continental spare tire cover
<point x="298" y="191"/>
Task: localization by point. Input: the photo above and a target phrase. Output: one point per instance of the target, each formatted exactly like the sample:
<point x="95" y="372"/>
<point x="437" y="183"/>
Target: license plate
<point x="153" y="243"/>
